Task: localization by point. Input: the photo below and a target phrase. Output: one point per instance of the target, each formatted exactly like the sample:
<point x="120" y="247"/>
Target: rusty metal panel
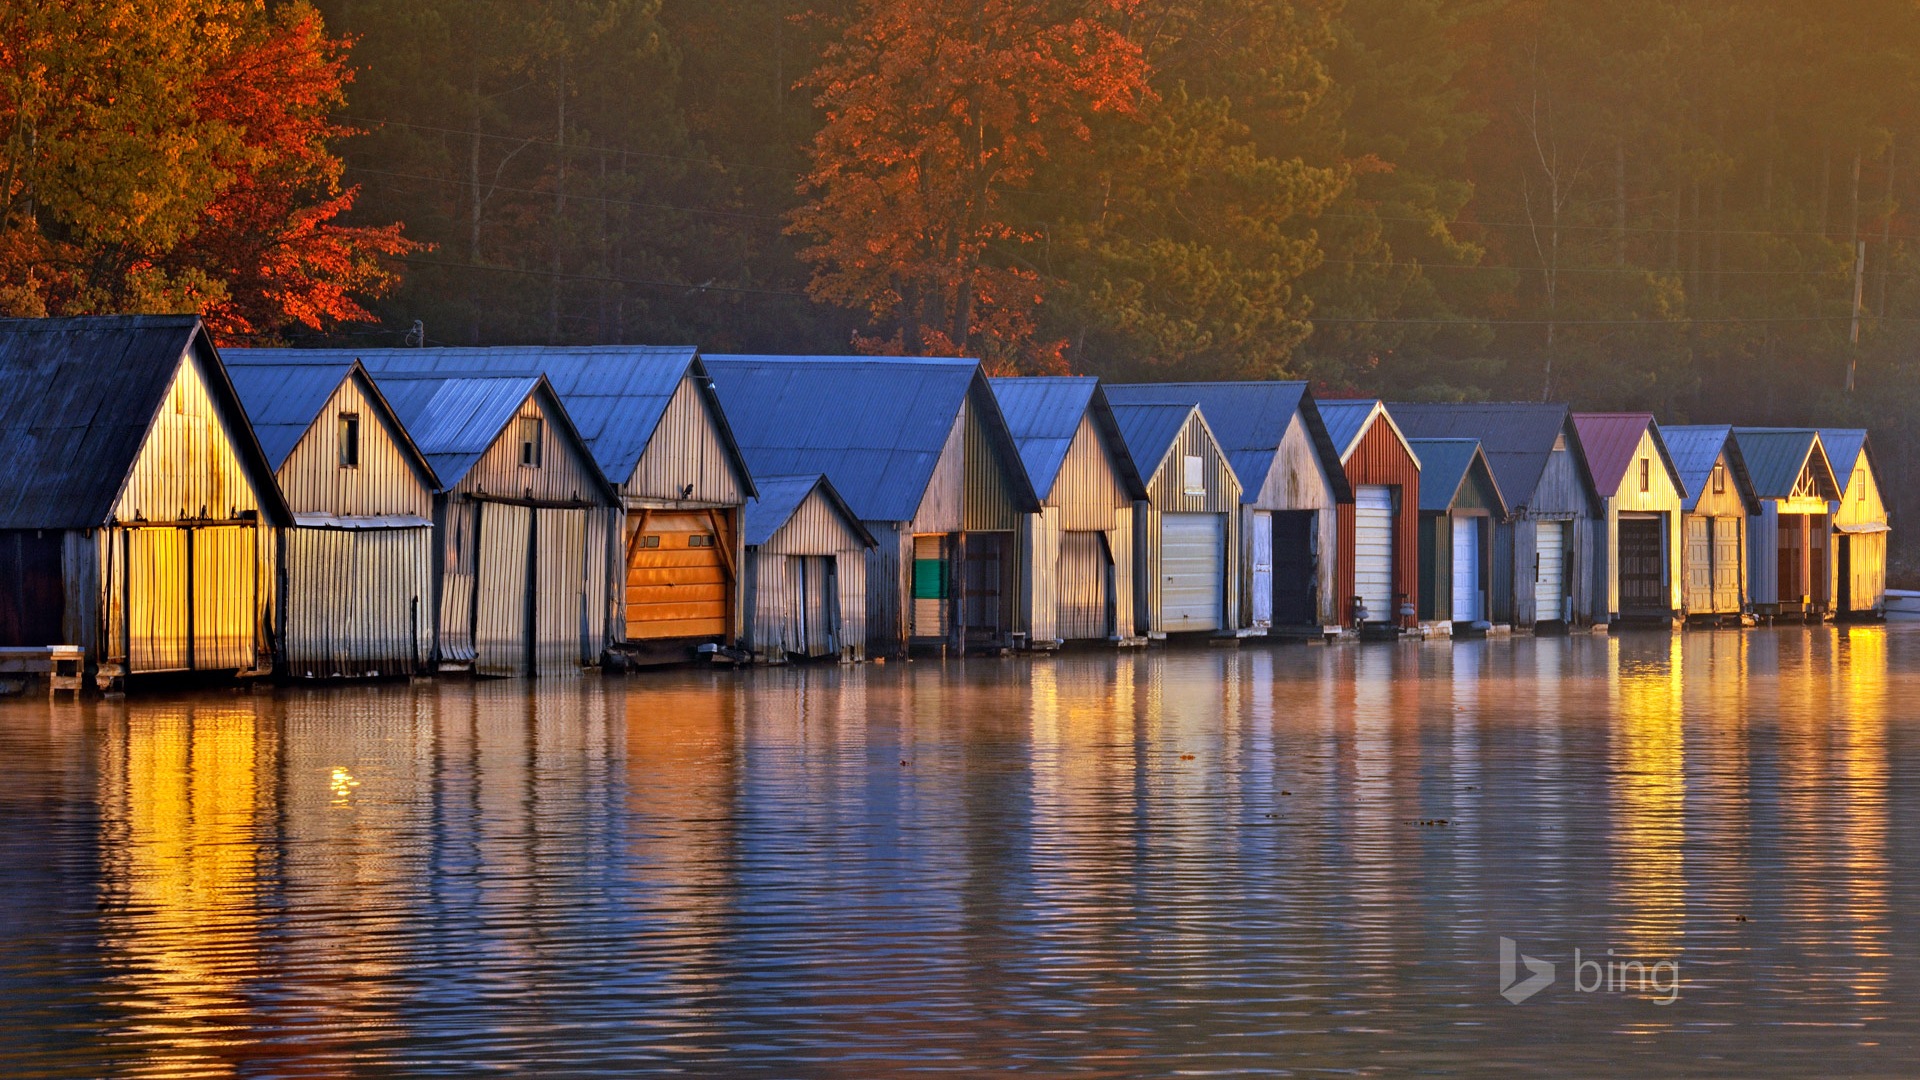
<point x="357" y="601"/>
<point x="187" y="468"/>
<point x="561" y="604"/>
<point x="686" y="451"/>
<point x="1380" y="458"/>
<point x="502" y="585"/>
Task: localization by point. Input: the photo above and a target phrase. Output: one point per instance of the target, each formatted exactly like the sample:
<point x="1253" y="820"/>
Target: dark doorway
<point x="1843" y="555"/>
<point x="983" y="583"/>
<point x="1293" y="568"/>
<point x="31" y="592"/>
<point x="1643" y="578"/>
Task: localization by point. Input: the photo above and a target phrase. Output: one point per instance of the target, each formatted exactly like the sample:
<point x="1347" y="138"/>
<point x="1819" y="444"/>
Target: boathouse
<point x="919" y="451"/>
<point x="1187" y="554"/>
<point x="1378" y="554"/>
<point x="1719" y="502"/>
<point x="1547" y="541"/>
<point x="655" y="429"/>
<point x="806" y="572"/>
<point x="356" y="567"/>
<point x="1860" y="526"/>
<point x="521" y="516"/>
<point x="1637" y="535"/>
<point x="1787" y="541"/>
<point x="1460" y="508"/>
<point x="1076" y="554"/>
<point x="138" y="517"/>
<point x="1291" y="482"/>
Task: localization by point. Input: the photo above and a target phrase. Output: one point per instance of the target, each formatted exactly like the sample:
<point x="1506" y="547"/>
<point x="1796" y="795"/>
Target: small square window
<point x="530" y="441"/>
<point x="650" y="541"/>
<point x="1646" y="475"/>
<point x="1719" y="479"/>
<point x="1194" y="475"/>
<point x="349" y="440"/>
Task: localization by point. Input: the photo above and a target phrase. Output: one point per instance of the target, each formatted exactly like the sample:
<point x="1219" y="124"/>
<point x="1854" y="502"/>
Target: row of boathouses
<point x="532" y="511"/>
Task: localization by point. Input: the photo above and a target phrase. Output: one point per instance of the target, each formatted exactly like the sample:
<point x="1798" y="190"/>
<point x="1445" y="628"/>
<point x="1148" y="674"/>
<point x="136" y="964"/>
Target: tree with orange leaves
<point x="168" y="155"/>
<point x="937" y="112"/>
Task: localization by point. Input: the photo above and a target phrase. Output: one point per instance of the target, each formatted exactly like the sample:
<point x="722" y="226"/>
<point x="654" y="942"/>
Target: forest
<point x="1699" y="209"/>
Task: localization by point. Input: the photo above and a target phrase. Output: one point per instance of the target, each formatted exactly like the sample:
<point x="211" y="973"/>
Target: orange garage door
<point x="679" y="576"/>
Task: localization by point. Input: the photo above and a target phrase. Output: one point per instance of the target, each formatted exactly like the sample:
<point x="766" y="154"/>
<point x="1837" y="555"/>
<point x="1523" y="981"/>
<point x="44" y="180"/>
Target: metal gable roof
<point x="1251" y="419"/>
<point x="454" y="419"/>
<point x="1444" y="467"/>
<point x="283" y="402"/>
<point x="780" y="497"/>
<point x="1043" y="414"/>
<point x="1844" y="447"/>
<point x="77" y="399"/>
<point x="875" y="426"/>
<point x="1347" y="419"/>
<point x="1516" y="437"/>
<point x="1776" y="456"/>
<point x="1610" y="441"/>
<point x="1695" y="448"/>
<point x="615" y="395"/>
<point x="1149" y="431"/>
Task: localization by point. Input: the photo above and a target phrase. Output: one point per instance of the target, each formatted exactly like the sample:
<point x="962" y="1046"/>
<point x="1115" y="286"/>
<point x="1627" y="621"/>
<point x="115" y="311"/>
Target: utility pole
<point x="1859" y="293"/>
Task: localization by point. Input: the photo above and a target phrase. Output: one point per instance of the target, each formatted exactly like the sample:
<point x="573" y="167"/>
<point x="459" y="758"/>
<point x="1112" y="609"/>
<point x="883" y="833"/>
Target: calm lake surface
<point x="1204" y="861"/>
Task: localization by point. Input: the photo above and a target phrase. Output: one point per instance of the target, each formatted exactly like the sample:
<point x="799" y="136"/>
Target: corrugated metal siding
<point x="943" y="505"/>
<point x="193" y="598"/>
<point x="1087" y="489"/>
<point x="358" y="601"/>
<point x="1082" y="577"/>
<point x="457" y="526"/>
<point x="383" y="483"/>
<point x="1380" y="458"/>
<point x="187" y="468"/>
<point x="561" y="603"/>
<point x="1120" y="542"/>
<point x="850" y="574"/>
<point x="1661" y="498"/>
<point x="888" y="589"/>
<point x="816" y="528"/>
<point x="1040" y="599"/>
<point x="1561" y="495"/>
<point x="686" y="449"/>
<point x="1166" y="491"/>
<point x="500" y="634"/>
<point x="989" y="496"/>
<point x="563" y="475"/>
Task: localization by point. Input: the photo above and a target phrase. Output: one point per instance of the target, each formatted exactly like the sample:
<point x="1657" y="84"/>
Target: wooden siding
<point x="358" y="602"/>
<point x="187" y="468"/>
<point x="686" y="448"/>
<point x="989" y="499"/>
<point x="1725" y="503"/>
<point x="1861" y="504"/>
<point x="384" y="481"/>
<point x="1381" y="458"/>
<point x="1297" y="480"/>
<point x="1660" y="498"/>
<point x="1166" y="494"/>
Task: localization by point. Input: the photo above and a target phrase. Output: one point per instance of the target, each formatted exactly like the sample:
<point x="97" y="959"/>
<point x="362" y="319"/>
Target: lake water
<point x="1271" y="860"/>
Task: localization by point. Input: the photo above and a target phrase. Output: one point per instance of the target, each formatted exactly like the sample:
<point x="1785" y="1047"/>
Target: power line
<point x="677" y="286"/>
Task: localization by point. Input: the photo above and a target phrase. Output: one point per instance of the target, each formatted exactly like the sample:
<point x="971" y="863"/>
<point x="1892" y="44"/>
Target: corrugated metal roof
<point x="454" y="418"/>
<point x="1610" y="441"/>
<point x="1516" y="437"/>
<point x="284" y="400"/>
<point x="1250" y="418"/>
<point x="1444" y="464"/>
<point x="1695" y="448"/>
<point x="77" y="397"/>
<point x="1149" y="431"/>
<point x="1776" y="456"/>
<point x="1348" y="419"/>
<point x="780" y="497"/>
<point x="615" y="394"/>
<point x="1043" y="414"/>
<point x="1844" y="447"/>
<point x="874" y="426"/>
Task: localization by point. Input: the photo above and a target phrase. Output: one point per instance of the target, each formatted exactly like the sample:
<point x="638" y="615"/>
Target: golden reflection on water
<point x="1649" y="757"/>
<point x="1859" y="731"/>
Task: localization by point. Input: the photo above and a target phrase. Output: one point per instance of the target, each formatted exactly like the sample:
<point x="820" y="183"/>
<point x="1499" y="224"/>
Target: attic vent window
<point x="349" y="440"/>
<point x="1194" y="476"/>
<point x="1646" y="474"/>
<point x="1560" y="441"/>
<point x="530" y="441"/>
<point x="1859" y="483"/>
<point x="1719" y="479"/>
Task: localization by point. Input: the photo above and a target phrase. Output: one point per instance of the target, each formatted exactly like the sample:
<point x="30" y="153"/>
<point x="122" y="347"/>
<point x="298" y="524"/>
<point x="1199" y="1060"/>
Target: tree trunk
<point x="1619" y="202"/>
<point x="559" y="204"/>
<point x="1886" y="238"/>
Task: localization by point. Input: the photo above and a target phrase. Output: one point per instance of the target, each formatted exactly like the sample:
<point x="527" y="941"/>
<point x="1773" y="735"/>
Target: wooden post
<point x="957" y="604"/>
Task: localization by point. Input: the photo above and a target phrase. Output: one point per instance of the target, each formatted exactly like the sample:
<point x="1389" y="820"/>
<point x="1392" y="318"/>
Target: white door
<point x="1191" y="586"/>
<point x="1373" y="550"/>
<point x="1550" y="580"/>
<point x="1466" y="569"/>
<point x="1262" y="568"/>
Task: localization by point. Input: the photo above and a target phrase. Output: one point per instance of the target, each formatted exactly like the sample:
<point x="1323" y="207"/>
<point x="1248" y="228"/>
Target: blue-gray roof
<point x="780" y="497"/>
<point x="1149" y="431"/>
<point x="1516" y="437"/>
<point x="1695" y="448"/>
<point x="1444" y="464"/>
<point x="1776" y="456"/>
<point x="875" y="426"/>
<point x="615" y="395"/>
<point x="77" y="399"/>
<point x="284" y="400"/>
<point x="454" y="419"/>
<point x="1346" y="419"/>
<point x="1250" y="419"/>
<point x="1844" y="447"/>
<point x="1043" y="415"/>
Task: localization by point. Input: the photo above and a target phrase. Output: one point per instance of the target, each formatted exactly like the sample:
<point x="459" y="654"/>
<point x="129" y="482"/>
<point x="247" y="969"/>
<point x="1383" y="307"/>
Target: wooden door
<point x="1729" y="563"/>
<point x="1643" y="578"/>
<point x="1550" y="571"/>
<point x="1700" y="599"/>
<point x="679" y="576"/>
<point x="1260" y="572"/>
<point x="1466" y="569"/>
